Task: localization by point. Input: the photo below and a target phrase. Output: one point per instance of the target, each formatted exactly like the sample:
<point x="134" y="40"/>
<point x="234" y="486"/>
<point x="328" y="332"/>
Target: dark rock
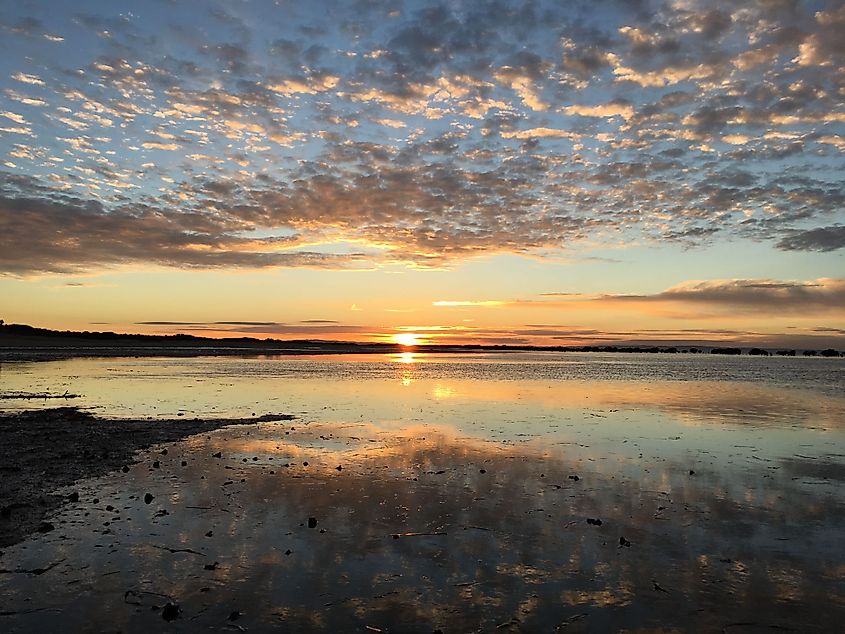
<point x="574" y="478"/>
<point x="170" y="612"/>
<point x="209" y="533"/>
<point x="288" y="551"/>
<point x="312" y="522"/>
<point x="691" y="472"/>
<point x="482" y="471"/>
<point x="73" y="497"/>
<point x="156" y="464"/>
<point x="211" y="566"/>
<point x="339" y="467"/>
<point x="184" y="463"/>
<point x="125" y="469"/>
<point x="234" y="615"/>
<point x="624" y="542"/>
<point x="593" y="521"/>
<point x="149" y="497"/>
<point x="219" y="454"/>
<point x="45" y="527"/>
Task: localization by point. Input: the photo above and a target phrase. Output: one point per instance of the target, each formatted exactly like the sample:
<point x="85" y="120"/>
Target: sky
<point x="552" y="173"/>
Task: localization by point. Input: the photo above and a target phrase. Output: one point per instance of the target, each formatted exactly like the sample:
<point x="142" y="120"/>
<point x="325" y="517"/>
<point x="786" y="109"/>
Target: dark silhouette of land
<point x="23" y="342"/>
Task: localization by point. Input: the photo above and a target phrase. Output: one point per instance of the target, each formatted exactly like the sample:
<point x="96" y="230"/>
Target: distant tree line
<point x="20" y="330"/>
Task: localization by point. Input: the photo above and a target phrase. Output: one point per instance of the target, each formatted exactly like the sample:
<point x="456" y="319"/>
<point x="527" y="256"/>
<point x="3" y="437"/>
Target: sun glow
<point x="407" y="339"/>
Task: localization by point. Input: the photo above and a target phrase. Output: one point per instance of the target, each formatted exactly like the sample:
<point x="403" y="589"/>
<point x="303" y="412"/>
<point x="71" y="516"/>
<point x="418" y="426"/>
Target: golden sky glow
<point x="558" y="173"/>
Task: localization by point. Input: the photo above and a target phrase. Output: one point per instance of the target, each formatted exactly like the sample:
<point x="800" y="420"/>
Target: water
<point x="724" y="474"/>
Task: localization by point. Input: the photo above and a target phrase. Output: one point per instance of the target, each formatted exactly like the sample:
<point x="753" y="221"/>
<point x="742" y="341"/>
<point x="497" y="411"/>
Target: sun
<point x="407" y="339"/>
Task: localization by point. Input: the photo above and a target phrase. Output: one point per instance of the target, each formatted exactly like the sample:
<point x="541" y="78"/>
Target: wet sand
<point x="350" y="527"/>
<point x="44" y="450"/>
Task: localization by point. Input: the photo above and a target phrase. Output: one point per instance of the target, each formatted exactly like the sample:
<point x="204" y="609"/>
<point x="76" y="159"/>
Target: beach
<point x="448" y="504"/>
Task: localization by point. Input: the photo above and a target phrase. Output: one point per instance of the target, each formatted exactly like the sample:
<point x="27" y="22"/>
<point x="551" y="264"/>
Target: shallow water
<point x="725" y="476"/>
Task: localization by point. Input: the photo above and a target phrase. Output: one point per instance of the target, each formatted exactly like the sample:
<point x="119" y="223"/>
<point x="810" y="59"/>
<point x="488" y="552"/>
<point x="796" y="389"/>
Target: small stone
<point x="339" y="467"/>
<point x="234" y="615"/>
<point x="125" y="469"/>
<point x="691" y="472"/>
<point x="73" y="497"/>
<point x="482" y="471"/>
<point x="624" y="542"/>
<point x="312" y="522"/>
<point x="164" y="452"/>
<point x="156" y="464"/>
<point x="219" y="454"/>
<point x="593" y="521"/>
<point x="45" y="527"/>
<point x="574" y="478"/>
<point x="209" y="533"/>
<point x="148" y="498"/>
<point x="211" y="566"/>
<point x="184" y="463"/>
<point x="304" y="464"/>
<point x="170" y="612"/>
<point x="288" y="551"/>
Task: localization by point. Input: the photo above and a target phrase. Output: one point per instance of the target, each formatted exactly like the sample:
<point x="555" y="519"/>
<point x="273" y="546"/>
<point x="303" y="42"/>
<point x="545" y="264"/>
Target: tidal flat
<point x="535" y="493"/>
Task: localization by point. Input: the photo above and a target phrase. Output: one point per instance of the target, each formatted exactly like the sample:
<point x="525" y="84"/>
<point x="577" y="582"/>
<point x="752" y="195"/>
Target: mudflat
<point x="353" y="527"/>
<point x="44" y="450"/>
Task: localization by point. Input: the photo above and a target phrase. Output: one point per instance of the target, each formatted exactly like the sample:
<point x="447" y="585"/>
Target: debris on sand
<point x="47" y="449"/>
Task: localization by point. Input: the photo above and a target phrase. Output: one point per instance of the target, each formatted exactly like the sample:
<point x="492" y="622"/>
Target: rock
<point x="184" y="463"/>
<point x="234" y="615"/>
<point x="156" y="464"/>
<point x="211" y="566"/>
<point x="593" y="521"/>
<point x="209" y="533"/>
<point x="149" y="497"/>
<point x="339" y="467"/>
<point x="574" y="478"/>
<point x="170" y="612"/>
<point x="164" y="452"/>
<point x="482" y="471"/>
<point x="219" y="454"/>
<point x="125" y="469"/>
<point x="288" y="551"/>
<point x="46" y="527"/>
<point x="312" y="522"/>
<point x="624" y="542"/>
<point x="73" y="497"/>
<point x="691" y="472"/>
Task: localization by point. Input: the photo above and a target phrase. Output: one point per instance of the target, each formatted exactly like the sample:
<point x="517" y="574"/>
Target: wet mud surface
<point x="298" y="527"/>
<point x="44" y="450"/>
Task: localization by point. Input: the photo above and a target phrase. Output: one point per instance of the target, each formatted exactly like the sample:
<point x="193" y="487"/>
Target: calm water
<point x="724" y="474"/>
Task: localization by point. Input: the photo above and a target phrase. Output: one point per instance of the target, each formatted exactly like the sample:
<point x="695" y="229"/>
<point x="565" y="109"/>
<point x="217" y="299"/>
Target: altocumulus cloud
<point x="423" y="134"/>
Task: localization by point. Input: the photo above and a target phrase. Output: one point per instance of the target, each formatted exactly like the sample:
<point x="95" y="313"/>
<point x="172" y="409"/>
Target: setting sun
<point x="406" y="339"/>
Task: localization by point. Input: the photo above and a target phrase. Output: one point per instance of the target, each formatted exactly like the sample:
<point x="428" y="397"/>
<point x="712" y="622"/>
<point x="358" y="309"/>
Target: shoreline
<point x="46" y="450"/>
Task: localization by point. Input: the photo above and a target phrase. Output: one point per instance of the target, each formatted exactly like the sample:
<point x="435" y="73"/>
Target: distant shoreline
<point x="20" y="342"/>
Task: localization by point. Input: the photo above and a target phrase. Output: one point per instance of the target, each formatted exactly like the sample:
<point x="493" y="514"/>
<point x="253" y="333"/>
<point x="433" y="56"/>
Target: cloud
<point x="426" y="141"/>
<point x="464" y="303"/>
<point x="818" y="239"/>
